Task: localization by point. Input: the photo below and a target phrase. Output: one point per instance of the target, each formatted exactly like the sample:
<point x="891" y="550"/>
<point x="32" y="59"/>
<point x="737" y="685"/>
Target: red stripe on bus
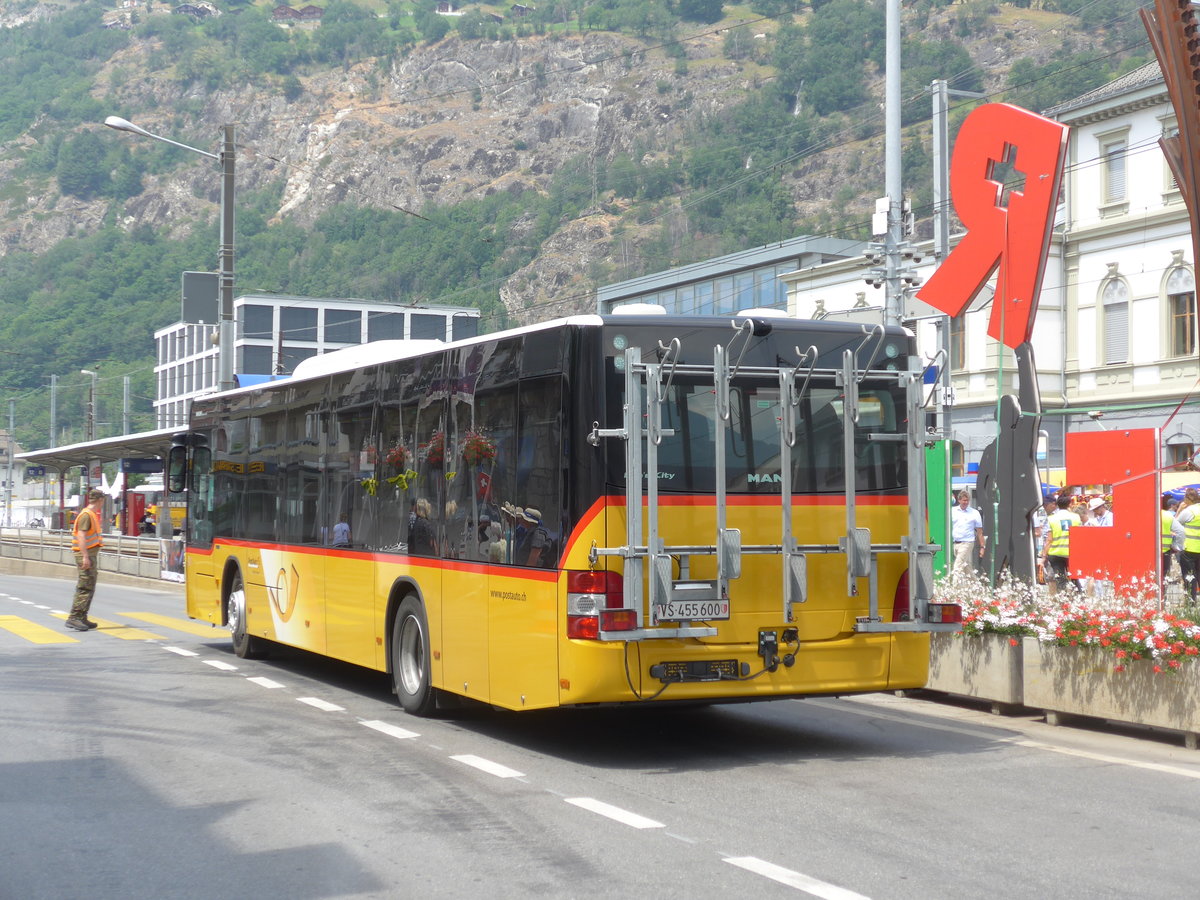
<point x="424" y="562"/>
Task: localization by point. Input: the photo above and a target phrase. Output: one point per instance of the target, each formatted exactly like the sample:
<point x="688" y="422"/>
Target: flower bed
<point x="985" y="667"/>
<point x="1123" y="659"/>
<point x="1081" y="681"/>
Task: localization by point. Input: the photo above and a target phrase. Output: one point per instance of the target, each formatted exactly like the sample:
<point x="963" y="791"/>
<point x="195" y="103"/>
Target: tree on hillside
<point x="701" y="10"/>
<point x="81" y="170"/>
<point x="431" y="26"/>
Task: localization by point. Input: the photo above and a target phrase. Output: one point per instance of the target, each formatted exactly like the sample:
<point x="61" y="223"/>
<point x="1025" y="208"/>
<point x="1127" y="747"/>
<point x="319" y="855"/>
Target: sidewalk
<point x="39" y="569"/>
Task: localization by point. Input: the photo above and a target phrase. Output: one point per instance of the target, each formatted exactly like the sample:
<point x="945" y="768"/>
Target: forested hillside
<point x="506" y="161"/>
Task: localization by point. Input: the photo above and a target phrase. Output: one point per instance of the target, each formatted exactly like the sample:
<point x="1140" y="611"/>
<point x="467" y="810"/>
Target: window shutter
<point x="1116" y="332"/>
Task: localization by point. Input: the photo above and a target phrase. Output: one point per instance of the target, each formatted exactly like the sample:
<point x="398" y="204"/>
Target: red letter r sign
<point x="1009" y="230"/>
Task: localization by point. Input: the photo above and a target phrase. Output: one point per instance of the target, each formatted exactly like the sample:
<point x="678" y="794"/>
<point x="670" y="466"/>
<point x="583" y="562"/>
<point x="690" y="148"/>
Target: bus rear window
<point x="687" y="458"/>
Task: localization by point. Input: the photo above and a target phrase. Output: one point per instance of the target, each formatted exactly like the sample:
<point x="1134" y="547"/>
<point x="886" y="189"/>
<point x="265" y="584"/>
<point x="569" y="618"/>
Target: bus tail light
<point x="593" y="597"/>
<point x="618" y="619"/>
<point x="944" y="613"/>
<point x="935" y="613"/>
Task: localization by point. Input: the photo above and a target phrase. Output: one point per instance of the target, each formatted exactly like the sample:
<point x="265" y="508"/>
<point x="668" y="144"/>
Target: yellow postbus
<point x="596" y="510"/>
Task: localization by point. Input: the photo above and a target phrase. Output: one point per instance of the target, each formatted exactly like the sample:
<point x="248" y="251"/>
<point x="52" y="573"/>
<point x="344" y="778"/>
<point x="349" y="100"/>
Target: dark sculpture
<point x="1008" y="486"/>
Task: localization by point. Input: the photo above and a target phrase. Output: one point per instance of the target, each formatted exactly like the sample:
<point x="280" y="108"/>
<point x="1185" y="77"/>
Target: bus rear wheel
<point x="245" y="645"/>
<point x="410" y="659"/>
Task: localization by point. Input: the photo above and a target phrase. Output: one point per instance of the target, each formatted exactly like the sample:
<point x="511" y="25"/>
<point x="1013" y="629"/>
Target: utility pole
<point x="941" y="92"/>
<point x="53" y="410"/>
<point x="893" y="258"/>
<point x="12" y="448"/>
<point x="125" y="408"/>
<point x="891" y="166"/>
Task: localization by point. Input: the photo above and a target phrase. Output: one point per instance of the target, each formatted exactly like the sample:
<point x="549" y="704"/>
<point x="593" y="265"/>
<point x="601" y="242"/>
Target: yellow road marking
<point x="31" y="631"/>
<point x="117" y="629"/>
<point x="185" y="625"/>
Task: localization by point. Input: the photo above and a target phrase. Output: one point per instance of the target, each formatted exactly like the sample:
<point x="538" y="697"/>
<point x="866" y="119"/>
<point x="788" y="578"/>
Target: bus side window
<point x="200" y="498"/>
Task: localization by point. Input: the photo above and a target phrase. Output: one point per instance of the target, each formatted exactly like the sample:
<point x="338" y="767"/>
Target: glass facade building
<point x="275" y="332"/>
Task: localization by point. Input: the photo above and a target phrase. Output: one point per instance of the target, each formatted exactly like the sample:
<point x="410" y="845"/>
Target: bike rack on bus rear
<point x="645" y="553"/>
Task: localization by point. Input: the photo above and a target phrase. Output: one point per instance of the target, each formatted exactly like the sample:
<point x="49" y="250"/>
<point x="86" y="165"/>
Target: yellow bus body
<point x="498" y="633"/>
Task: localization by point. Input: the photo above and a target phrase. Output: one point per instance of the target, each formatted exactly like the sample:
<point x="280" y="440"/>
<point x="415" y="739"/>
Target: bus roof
<point x="377" y="352"/>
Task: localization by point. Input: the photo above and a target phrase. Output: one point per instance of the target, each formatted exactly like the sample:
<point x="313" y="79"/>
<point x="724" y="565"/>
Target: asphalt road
<point x="144" y="760"/>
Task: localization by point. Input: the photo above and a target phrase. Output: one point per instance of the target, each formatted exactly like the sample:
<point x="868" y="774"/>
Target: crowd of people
<point x="1062" y="511"/>
<point x="1052" y="523"/>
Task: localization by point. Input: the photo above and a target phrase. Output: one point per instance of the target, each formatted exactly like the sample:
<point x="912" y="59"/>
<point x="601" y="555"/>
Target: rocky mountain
<point x="455" y="119"/>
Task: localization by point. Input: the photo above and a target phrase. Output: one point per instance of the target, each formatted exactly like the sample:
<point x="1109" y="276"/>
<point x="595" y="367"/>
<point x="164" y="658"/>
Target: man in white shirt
<point x="1101" y="514"/>
<point x="966" y="530"/>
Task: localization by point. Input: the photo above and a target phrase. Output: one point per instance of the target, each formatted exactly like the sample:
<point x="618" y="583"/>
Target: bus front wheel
<point x="410" y="659"/>
<point x="245" y="645"/>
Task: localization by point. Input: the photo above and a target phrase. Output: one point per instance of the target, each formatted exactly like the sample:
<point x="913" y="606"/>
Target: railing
<point x="140" y="557"/>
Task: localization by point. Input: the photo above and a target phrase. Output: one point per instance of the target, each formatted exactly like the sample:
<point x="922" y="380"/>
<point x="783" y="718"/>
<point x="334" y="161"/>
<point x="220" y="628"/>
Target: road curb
<point x="38" y="569"/>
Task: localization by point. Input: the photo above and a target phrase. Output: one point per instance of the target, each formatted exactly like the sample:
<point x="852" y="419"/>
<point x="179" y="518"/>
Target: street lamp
<point x="225" y="254"/>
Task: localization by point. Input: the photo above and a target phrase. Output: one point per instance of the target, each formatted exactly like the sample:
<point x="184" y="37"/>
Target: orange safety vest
<point x="86" y="533"/>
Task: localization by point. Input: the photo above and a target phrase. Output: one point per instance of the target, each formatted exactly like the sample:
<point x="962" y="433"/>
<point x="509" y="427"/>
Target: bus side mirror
<point x="177" y="469"/>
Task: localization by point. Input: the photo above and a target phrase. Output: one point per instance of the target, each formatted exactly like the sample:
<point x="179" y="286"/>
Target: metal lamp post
<point x="227" y="156"/>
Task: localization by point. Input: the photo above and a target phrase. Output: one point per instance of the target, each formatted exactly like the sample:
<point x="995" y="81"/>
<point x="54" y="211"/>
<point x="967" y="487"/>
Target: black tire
<point x="410" y="659"/>
<point x="245" y="646"/>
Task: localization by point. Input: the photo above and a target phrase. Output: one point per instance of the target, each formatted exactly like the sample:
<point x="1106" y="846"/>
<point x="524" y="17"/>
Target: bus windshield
<point x="686" y="458"/>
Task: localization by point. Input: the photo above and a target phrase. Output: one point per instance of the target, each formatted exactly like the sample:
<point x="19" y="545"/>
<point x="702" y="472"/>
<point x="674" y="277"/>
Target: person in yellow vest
<point x="1168" y="548"/>
<point x="1057" y="551"/>
<point x="86" y="542"/>
<point x="1187" y="527"/>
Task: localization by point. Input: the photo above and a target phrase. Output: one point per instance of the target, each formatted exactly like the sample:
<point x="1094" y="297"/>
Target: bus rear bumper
<point x="694" y="671"/>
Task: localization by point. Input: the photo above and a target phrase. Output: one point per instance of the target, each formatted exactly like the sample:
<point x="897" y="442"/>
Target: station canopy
<point x="126" y="446"/>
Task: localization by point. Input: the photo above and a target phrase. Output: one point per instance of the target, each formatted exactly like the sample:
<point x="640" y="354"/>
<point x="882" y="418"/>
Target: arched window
<point x="1181" y="310"/>
<point x="1114" y="300"/>
<point x="958" y="463"/>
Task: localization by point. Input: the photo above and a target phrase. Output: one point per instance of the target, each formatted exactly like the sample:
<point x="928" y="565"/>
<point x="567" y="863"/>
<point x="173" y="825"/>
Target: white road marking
<point x="1101" y="757"/>
<point x="324" y="705"/>
<point x="624" y="816"/>
<point x="220" y="664"/>
<point x="27" y="602"/>
<point x="37" y="605"/>
<point x="182" y="651"/>
<point x="984" y="733"/>
<point x="486" y="765"/>
<point x="265" y="682"/>
<point x="793" y="879"/>
<point x="391" y="730"/>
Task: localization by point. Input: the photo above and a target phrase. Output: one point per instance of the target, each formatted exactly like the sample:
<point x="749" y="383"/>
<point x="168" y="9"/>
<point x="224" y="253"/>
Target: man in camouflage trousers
<point x="86" y="542"/>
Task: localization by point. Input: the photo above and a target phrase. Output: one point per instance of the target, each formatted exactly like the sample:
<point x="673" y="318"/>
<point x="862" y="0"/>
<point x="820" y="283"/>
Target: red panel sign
<point x="1126" y="553"/>
<point x="1006" y="230"/>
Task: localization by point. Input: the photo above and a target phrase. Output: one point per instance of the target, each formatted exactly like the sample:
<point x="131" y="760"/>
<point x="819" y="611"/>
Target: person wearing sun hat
<point x="535" y="543"/>
<point x="1101" y="514"/>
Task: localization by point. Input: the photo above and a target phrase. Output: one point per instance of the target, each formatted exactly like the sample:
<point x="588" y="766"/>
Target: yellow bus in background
<point x="596" y="510"/>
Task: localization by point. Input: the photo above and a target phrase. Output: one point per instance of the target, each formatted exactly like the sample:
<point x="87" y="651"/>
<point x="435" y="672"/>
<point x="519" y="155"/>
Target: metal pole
<point x="941" y="92"/>
<point x="941" y="223"/>
<point x="891" y="164"/>
<point x="8" y="493"/>
<point x="225" y="349"/>
<point x="53" y="410"/>
<point x="125" y="408"/>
